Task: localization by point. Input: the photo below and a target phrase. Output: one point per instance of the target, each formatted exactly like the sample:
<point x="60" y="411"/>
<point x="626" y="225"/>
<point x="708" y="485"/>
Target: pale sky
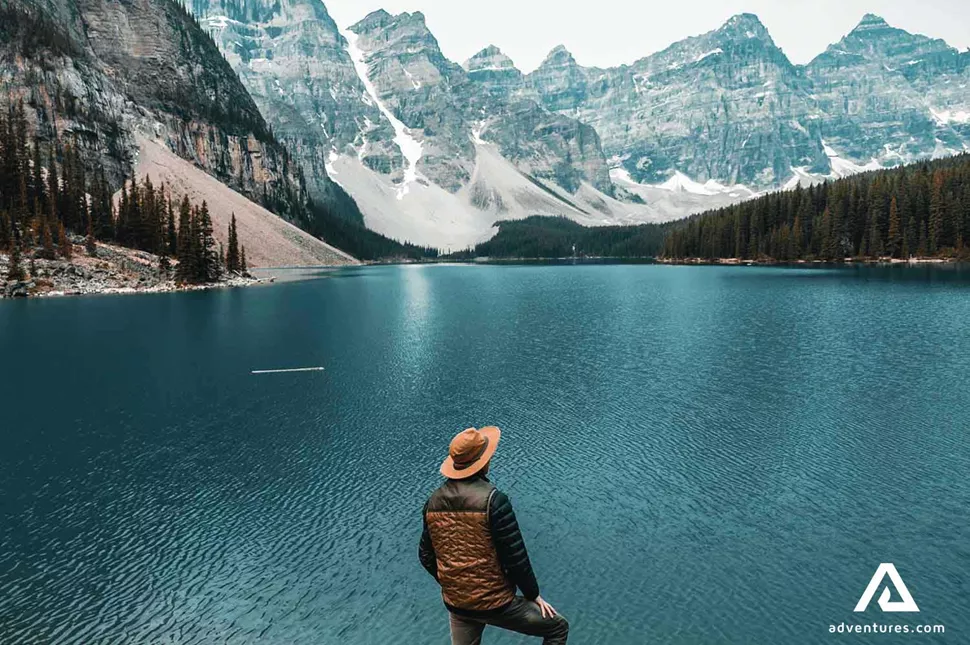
<point x="606" y="33"/>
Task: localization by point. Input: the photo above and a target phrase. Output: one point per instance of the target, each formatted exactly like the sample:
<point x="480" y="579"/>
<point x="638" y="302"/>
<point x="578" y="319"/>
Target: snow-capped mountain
<point x="435" y="152"/>
<point x="432" y="151"/>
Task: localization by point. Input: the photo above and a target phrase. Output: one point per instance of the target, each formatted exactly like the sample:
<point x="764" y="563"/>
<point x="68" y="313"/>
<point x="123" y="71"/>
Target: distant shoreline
<point x="915" y="261"/>
<point x="79" y="278"/>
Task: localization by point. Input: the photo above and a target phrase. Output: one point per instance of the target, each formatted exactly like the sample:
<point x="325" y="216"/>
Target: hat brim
<point x="448" y="466"/>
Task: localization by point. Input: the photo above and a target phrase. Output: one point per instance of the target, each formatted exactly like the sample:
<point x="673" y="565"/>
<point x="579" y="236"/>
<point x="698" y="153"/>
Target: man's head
<point x="470" y="452"/>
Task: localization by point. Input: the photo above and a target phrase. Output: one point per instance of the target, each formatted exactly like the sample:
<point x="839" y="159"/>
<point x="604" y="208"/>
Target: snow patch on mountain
<point x="681" y="183"/>
<point x="946" y="117"/>
<point x="411" y="148"/>
<point x="416" y="84"/>
<point x="713" y="52"/>
<point x="431" y="216"/>
<point x="219" y="22"/>
<point x="498" y="191"/>
<point x="663" y="205"/>
<point x="802" y="177"/>
<point x="842" y="167"/>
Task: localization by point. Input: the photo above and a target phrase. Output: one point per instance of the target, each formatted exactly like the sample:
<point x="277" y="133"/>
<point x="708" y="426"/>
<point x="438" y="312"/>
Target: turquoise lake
<point x="697" y="455"/>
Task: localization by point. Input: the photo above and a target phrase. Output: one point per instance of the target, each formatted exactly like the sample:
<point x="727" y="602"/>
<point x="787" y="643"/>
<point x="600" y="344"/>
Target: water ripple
<point x="696" y="455"/>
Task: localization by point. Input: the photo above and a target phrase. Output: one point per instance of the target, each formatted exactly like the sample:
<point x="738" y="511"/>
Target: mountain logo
<point x="906" y="604"/>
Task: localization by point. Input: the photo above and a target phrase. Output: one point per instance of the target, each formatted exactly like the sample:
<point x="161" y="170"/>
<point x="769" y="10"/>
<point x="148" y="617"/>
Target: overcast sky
<point x="604" y="33"/>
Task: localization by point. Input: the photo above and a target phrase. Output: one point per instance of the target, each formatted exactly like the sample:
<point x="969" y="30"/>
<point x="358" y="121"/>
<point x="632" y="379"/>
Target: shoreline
<point x="168" y="286"/>
<point x="913" y="261"/>
<point x="122" y="271"/>
<point x="114" y="270"/>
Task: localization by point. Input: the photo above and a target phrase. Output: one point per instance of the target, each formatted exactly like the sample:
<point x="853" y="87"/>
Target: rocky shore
<point x="113" y="269"/>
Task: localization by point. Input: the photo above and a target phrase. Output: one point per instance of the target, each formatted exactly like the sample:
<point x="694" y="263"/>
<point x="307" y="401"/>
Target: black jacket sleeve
<point x="426" y="550"/>
<point x="510" y="546"/>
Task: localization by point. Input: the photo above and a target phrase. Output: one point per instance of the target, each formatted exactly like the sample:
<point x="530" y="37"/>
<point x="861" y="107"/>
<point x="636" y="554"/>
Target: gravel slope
<point x="269" y="240"/>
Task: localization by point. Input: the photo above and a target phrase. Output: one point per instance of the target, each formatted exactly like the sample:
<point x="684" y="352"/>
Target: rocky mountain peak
<point x="405" y="33"/>
<point x="874" y="38"/>
<point x="374" y="20"/>
<point x="743" y="26"/>
<point x="871" y="22"/>
<point x="491" y="58"/>
<point x="558" y="57"/>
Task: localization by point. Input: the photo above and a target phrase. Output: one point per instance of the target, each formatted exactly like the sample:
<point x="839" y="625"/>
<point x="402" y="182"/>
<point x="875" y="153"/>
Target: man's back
<point x="472" y="545"/>
<point x="461" y="517"/>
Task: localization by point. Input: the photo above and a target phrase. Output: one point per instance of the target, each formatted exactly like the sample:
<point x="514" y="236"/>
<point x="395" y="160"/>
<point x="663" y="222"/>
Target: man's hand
<point x="548" y="611"/>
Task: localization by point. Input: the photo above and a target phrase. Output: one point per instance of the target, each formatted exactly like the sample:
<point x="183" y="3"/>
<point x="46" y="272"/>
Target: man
<point x="472" y="546"/>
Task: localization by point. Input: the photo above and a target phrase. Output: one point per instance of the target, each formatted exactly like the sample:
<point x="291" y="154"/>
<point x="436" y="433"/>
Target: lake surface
<point x="697" y="455"/>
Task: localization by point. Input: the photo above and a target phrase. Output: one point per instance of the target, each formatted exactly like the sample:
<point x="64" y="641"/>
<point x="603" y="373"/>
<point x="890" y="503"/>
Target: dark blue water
<point x="697" y="455"/>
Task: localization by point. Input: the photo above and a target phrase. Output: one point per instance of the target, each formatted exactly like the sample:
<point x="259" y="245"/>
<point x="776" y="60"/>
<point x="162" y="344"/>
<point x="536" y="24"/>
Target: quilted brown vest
<point x="469" y="571"/>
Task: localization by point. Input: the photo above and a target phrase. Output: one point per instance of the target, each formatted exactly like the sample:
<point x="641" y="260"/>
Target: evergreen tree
<point x="90" y="245"/>
<point x="63" y="242"/>
<point x="233" y="263"/>
<point x="53" y="185"/>
<point x="875" y="238"/>
<point x="186" y="247"/>
<point x="829" y="251"/>
<point x="5" y="231"/>
<point x="37" y="178"/>
<point x="122" y="227"/>
<point x="15" y="272"/>
<point x="207" y="255"/>
<point x="937" y="205"/>
<point x="911" y="238"/>
<point x="47" y="239"/>
<point x="171" y="233"/>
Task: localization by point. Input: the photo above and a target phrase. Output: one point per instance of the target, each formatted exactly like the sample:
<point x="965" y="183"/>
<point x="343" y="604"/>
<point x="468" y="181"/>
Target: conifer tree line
<point x="921" y="210"/>
<point x="539" y="237"/>
<point x="47" y="194"/>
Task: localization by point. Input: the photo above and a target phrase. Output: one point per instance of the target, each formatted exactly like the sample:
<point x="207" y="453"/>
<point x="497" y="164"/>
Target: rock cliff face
<point x="421" y="88"/>
<point x="494" y="72"/>
<point x="450" y="108"/>
<point x="887" y="95"/>
<point x="102" y="72"/>
<point x="729" y="107"/>
<point x="293" y="60"/>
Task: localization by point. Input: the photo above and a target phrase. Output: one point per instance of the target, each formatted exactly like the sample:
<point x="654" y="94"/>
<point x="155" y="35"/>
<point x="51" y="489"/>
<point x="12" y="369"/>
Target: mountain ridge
<point x="436" y="152"/>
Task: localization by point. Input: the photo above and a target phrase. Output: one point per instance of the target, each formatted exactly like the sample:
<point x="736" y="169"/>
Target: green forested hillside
<point x="919" y="210"/>
<point x="558" y="237"/>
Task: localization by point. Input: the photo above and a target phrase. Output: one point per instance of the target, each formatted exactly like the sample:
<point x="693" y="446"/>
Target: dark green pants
<point x="522" y="616"/>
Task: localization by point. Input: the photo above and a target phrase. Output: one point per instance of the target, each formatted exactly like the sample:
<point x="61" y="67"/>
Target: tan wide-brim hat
<point x="470" y="451"/>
